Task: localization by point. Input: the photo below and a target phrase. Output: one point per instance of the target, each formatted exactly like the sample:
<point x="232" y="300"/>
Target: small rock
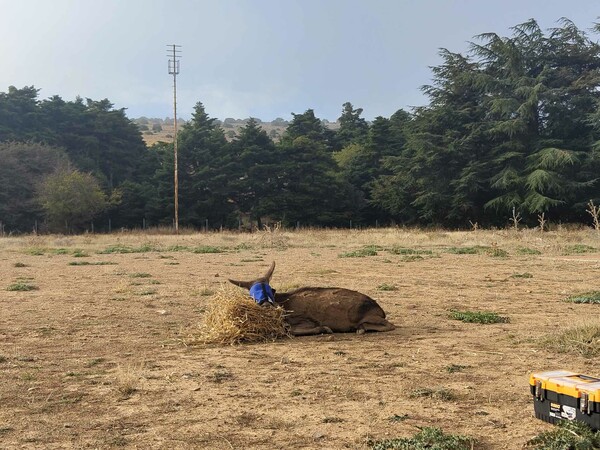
<point x="318" y="435"/>
<point x="161" y="311"/>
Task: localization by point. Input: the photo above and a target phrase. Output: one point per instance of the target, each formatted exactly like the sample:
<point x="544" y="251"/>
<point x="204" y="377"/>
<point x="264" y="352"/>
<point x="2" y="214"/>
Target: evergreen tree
<point x="256" y="161"/>
<point x="205" y="172"/>
<point x="353" y="128"/>
<point x="23" y="167"/>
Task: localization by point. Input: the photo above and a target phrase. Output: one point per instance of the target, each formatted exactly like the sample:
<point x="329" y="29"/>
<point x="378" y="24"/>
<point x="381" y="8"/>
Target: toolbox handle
<point x="586" y="378"/>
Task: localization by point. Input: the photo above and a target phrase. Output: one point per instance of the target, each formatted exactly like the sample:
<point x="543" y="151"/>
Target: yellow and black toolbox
<point x="564" y="395"/>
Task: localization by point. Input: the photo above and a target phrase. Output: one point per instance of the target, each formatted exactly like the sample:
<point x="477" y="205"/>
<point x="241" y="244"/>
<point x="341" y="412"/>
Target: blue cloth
<point x="262" y="292"/>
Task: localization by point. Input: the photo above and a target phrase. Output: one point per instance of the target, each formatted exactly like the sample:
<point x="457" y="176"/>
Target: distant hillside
<point x="155" y="129"/>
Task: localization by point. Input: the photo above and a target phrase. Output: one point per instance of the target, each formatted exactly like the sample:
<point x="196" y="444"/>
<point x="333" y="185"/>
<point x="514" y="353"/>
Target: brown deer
<point x="315" y="310"/>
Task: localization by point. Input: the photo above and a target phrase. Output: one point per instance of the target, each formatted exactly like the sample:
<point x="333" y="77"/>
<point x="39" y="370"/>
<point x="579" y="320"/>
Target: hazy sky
<point x="259" y="58"/>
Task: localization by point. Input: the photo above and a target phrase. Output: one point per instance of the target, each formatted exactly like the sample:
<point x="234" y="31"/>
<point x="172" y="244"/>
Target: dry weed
<point x="582" y="340"/>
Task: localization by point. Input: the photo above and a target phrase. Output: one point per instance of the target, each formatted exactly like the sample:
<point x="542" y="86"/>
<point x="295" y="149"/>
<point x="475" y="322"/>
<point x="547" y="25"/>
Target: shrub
<point x="21" y="286"/>
<point x="567" y="435"/>
<point x="427" y="438"/>
<point x="587" y="297"/>
<point x="369" y="250"/>
<point x="484" y="317"/>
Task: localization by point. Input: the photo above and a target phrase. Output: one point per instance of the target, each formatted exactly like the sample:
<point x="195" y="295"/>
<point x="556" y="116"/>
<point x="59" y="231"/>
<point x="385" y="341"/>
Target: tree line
<point x="512" y="127"/>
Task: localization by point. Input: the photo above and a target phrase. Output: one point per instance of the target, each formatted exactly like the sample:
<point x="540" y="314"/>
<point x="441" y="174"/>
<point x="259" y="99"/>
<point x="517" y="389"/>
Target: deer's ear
<point x="243" y="284"/>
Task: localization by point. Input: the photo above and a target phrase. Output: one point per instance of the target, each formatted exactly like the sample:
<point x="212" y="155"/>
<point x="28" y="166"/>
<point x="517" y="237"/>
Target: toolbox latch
<point x="584" y="403"/>
<point x="538" y="390"/>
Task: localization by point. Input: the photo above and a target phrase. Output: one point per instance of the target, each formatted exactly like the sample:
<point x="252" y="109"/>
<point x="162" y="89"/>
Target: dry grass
<point x="232" y="317"/>
<point x="581" y="340"/>
<point x="74" y="350"/>
<point x="126" y="381"/>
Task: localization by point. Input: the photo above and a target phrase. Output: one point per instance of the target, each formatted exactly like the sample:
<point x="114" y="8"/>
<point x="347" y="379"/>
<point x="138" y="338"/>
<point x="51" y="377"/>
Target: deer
<point x="320" y="310"/>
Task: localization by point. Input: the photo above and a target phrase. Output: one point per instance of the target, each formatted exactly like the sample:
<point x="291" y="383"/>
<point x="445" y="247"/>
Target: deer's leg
<point x="307" y="328"/>
<point x="381" y="325"/>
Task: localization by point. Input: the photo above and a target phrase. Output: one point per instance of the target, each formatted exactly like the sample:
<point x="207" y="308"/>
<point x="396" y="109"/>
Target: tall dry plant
<point x="594" y="211"/>
<point x="515" y="219"/>
<point x="542" y="221"/>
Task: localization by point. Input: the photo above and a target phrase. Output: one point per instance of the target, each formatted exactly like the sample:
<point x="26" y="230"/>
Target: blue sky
<point x="259" y="58"/>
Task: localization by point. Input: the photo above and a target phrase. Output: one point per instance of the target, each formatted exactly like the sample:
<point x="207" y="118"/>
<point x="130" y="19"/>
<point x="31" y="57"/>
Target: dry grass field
<point x="95" y="336"/>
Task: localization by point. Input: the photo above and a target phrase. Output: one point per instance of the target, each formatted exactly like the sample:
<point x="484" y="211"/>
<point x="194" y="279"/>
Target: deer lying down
<point x="314" y="310"/>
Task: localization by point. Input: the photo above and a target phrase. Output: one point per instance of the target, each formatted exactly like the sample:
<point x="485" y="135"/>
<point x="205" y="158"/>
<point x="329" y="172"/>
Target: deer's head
<point x="259" y="287"/>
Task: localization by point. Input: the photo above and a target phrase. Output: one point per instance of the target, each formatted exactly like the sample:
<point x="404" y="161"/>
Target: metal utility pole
<point x="174" y="54"/>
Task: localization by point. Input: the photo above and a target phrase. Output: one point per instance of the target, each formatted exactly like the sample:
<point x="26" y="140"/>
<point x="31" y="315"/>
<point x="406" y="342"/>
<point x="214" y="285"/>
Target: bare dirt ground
<point x="95" y="357"/>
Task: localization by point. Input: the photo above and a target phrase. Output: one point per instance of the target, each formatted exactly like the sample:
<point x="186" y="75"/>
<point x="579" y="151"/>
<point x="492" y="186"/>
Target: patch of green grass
<point x="466" y="250"/>
<point x="178" y="248"/>
<point x="528" y="251"/>
<point x="387" y="287"/>
<point x="369" y="250"/>
<point x="332" y="420"/>
<point x="579" y="248"/>
<point x="34" y="251"/>
<point x="453" y="368"/>
<point x="408" y="251"/>
<point x="207" y="249"/>
<point x="119" y="248"/>
<point x="95" y="362"/>
<point x="438" y="394"/>
<point x="484" y="317"/>
<point x="147" y="292"/>
<point x="521" y="275"/>
<point x="428" y="438"/>
<point x="80" y="254"/>
<point x="88" y="263"/>
<point x="586" y="297"/>
<point x="21" y="286"/>
<point x="398" y="418"/>
<point x="496" y="252"/>
<point x="27" y="376"/>
<point x="20" y="264"/>
<point x="566" y="435"/>
<point x="140" y="275"/>
<point x="59" y="251"/>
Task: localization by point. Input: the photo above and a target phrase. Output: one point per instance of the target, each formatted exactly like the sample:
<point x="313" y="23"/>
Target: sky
<point x="252" y="58"/>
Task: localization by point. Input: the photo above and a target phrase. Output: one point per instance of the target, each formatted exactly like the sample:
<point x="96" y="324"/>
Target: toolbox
<point x="563" y="395"/>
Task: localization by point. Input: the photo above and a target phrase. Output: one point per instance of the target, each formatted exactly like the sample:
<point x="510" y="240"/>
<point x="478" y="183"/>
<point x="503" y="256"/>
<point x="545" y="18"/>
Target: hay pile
<point x="234" y="318"/>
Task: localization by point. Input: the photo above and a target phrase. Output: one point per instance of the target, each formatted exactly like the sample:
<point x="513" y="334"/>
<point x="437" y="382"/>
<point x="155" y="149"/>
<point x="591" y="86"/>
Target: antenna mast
<point x="174" y="54"/>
